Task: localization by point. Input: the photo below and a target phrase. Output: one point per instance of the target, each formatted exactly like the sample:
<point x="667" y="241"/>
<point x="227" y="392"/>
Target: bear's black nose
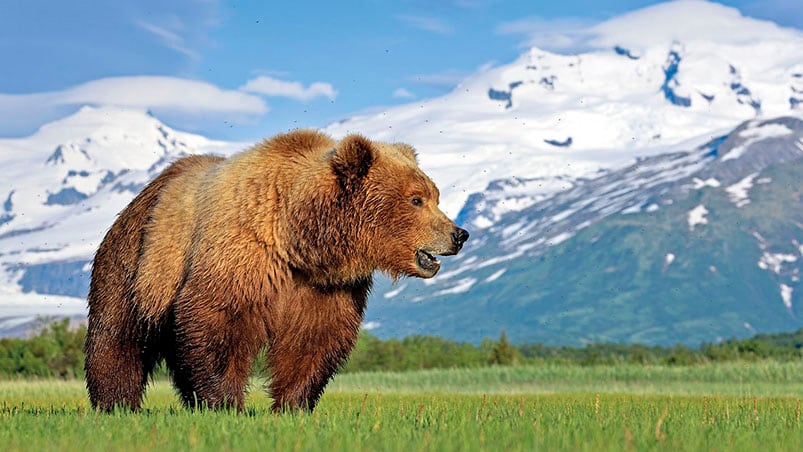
<point x="459" y="237"/>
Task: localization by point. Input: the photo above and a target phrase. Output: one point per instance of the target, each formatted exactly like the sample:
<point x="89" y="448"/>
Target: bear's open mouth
<point x="426" y="261"/>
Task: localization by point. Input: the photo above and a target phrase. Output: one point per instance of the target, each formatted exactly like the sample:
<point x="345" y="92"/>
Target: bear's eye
<point x="416" y="201"/>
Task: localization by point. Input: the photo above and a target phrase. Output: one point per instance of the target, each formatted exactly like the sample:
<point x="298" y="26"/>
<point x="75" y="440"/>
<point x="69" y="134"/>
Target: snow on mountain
<point x="622" y="230"/>
<point x="647" y="185"/>
<point x="64" y="185"/>
<point x="657" y="77"/>
<point x="528" y="152"/>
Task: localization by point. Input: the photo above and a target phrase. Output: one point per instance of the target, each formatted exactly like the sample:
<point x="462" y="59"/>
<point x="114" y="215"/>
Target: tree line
<point x="56" y="351"/>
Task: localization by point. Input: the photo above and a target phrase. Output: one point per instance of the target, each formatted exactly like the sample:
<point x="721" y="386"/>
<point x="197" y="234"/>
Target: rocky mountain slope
<point x="683" y="247"/>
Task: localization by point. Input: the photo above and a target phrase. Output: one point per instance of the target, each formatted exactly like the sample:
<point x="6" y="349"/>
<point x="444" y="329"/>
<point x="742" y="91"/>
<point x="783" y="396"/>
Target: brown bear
<point x="217" y="258"/>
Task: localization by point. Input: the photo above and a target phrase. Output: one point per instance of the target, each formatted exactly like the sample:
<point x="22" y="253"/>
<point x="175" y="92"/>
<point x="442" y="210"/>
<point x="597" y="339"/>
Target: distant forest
<point x="56" y="351"/>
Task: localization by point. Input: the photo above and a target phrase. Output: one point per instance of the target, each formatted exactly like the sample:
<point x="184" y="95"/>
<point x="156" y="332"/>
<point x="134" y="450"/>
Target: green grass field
<point x="739" y="406"/>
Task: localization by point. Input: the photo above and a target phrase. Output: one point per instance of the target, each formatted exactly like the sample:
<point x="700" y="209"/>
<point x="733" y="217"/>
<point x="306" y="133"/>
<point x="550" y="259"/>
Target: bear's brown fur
<point x="275" y="246"/>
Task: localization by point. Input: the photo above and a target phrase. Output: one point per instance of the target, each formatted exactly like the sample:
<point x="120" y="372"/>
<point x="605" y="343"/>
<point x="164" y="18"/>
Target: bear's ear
<point x="352" y="159"/>
<point x="407" y="151"/>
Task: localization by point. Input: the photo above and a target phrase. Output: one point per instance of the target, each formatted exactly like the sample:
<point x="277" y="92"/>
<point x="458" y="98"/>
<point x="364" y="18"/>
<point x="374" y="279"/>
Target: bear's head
<point x="373" y="210"/>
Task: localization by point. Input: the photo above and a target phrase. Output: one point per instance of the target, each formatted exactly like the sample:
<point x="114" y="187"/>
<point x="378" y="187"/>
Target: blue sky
<point x="247" y="69"/>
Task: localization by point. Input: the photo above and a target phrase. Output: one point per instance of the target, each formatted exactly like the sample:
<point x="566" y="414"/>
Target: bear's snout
<point x="459" y="237"/>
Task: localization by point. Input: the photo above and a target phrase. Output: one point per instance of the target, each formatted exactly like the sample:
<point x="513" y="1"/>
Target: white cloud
<point x="187" y="97"/>
<point x="169" y="38"/>
<point x="658" y="24"/>
<point x="183" y="26"/>
<point x="568" y="34"/>
<point x="154" y="92"/>
<point x="428" y="24"/>
<point x="270" y="86"/>
<point x="686" y="20"/>
<point x="402" y="93"/>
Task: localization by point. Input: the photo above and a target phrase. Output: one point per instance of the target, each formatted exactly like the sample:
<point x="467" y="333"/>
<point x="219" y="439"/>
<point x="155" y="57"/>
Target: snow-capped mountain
<point x="536" y="157"/>
<point x="61" y="190"/>
<point x="687" y="246"/>
<point x="655" y="78"/>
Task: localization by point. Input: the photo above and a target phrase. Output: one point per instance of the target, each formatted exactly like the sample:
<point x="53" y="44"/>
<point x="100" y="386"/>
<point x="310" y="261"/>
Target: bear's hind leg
<point x="179" y="375"/>
<point x="117" y="368"/>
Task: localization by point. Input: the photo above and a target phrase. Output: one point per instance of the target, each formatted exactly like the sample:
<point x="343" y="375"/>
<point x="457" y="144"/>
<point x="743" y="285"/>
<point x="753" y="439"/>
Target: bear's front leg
<point x="312" y="337"/>
<point x="301" y="370"/>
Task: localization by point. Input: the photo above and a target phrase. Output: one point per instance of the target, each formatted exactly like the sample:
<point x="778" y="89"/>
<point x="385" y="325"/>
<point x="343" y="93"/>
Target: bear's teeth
<point x="426" y="260"/>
